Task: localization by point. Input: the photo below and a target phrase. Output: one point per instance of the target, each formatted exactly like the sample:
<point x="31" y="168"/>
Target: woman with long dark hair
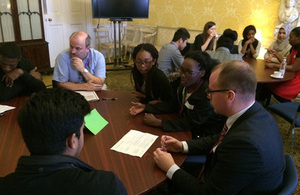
<point x="151" y="84"/>
<point x="249" y="46"/>
<point x="205" y="41"/>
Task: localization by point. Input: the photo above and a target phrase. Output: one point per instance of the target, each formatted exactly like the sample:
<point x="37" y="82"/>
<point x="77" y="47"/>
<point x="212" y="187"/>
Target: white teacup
<point x="277" y="73"/>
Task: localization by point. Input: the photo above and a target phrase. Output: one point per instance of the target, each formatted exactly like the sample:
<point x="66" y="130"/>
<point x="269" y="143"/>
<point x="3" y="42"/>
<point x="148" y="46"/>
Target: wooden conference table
<point x="139" y="175"/>
<point x="263" y="74"/>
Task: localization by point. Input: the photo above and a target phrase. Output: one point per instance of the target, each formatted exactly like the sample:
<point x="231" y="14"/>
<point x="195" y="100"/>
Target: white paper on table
<point x="4" y="108"/>
<point x="89" y="95"/>
<point x="135" y="143"/>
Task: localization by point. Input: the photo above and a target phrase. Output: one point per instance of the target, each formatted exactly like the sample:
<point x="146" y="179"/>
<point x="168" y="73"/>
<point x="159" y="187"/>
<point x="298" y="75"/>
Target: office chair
<point x="290" y="177"/>
<point x="288" y="111"/>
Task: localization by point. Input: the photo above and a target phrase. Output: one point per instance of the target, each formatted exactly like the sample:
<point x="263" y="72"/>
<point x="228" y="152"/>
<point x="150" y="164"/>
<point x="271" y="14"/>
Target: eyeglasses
<point x="188" y="73"/>
<point x="208" y="91"/>
<point x="146" y="63"/>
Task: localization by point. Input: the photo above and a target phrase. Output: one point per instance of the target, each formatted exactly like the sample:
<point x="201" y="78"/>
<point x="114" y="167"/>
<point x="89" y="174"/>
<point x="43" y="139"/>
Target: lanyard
<point x="184" y="96"/>
<point x="88" y="60"/>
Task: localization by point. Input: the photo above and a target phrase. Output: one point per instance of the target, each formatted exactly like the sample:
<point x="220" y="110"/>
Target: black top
<point x="59" y="174"/>
<point x="24" y="85"/>
<point x="197" y="114"/>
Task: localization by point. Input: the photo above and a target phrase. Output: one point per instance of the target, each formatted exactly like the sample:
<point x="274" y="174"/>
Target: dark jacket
<point x="58" y="174"/>
<point x="24" y="85"/>
<point x="197" y="114"/>
<point x="249" y="160"/>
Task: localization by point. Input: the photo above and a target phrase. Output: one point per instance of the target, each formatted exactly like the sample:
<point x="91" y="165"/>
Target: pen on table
<point x="109" y="98"/>
<point x="163" y="145"/>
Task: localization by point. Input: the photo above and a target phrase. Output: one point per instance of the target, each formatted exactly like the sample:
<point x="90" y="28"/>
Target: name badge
<point x="189" y="106"/>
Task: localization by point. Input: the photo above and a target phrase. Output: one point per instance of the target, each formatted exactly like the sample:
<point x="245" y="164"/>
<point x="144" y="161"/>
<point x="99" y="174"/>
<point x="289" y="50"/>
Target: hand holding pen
<point x="163" y="143"/>
<point x="170" y="144"/>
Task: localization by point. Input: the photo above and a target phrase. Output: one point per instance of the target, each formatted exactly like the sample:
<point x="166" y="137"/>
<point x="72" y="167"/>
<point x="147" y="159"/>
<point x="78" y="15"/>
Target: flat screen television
<point x="120" y="9"/>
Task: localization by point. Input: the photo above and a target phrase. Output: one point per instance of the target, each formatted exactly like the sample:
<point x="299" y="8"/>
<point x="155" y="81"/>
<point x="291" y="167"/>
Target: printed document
<point x="135" y="143"/>
<point x="89" y="95"/>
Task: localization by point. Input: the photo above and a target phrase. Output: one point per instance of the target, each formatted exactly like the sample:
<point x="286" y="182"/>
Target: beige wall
<point x="234" y="14"/>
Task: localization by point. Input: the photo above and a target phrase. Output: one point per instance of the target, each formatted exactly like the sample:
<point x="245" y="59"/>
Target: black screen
<point x="119" y="9"/>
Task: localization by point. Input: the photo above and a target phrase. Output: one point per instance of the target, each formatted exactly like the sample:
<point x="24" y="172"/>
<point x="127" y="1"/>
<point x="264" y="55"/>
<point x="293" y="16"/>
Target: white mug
<point x="277" y="73"/>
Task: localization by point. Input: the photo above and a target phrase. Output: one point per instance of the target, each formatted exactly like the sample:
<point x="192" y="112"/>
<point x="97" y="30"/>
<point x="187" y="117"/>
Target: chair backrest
<point x="147" y="35"/>
<point x="103" y="34"/>
<point x="290" y="177"/>
<point x="130" y="34"/>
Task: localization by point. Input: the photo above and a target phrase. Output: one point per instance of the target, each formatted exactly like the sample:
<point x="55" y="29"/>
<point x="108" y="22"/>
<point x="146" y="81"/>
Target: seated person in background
<point x="206" y="40"/>
<point x="249" y="46"/>
<point x="247" y="157"/>
<point x="55" y="141"/>
<point x="18" y="75"/>
<point x="170" y="58"/>
<point x="286" y="91"/>
<point x="224" y="46"/>
<point x="280" y="48"/>
<point x="150" y="83"/>
<point x="192" y="104"/>
<point x="80" y="68"/>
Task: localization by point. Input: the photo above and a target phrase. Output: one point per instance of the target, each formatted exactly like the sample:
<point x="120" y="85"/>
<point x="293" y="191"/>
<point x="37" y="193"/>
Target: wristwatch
<point x="85" y="71"/>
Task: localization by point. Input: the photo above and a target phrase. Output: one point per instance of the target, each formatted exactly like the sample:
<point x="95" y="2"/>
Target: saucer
<point x="276" y="77"/>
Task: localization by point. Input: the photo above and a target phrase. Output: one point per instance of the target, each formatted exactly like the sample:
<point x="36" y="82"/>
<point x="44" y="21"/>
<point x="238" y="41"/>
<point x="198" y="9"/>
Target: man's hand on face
<point x="78" y="64"/>
<point x="11" y="76"/>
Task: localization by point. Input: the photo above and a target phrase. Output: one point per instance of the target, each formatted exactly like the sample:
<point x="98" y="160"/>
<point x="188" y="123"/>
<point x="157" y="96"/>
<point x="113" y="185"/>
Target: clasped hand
<point x="251" y="40"/>
<point x="92" y="86"/>
<point x="163" y="159"/>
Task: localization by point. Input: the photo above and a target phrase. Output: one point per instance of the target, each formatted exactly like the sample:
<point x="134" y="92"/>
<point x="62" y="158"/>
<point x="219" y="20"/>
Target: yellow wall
<point x="234" y="14"/>
<point x="193" y="14"/>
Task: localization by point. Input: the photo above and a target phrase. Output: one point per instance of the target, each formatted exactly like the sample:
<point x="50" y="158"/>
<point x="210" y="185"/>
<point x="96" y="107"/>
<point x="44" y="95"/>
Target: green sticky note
<point x="95" y="122"/>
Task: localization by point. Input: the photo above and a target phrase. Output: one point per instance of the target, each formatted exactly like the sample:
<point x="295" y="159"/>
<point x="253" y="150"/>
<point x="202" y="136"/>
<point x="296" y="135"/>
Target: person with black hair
<point x="249" y="46"/>
<point x="52" y="123"/>
<point x="224" y="46"/>
<point x="205" y="41"/>
<point x="170" y="58"/>
<point x="192" y="105"/>
<point x="150" y="83"/>
<point x="18" y="75"/>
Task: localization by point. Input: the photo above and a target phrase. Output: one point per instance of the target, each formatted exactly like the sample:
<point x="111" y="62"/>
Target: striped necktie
<point x="223" y="133"/>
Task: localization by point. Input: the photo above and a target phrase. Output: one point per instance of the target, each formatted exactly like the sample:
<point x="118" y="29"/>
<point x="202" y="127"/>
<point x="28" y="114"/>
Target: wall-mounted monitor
<point x="120" y="9"/>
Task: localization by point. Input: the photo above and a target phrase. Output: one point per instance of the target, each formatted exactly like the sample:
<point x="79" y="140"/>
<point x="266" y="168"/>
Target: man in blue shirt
<point x="80" y="68"/>
<point x="170" y="58"/>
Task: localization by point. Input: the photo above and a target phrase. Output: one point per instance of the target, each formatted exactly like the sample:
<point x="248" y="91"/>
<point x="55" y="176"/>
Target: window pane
<point x="6" y="22"/>
<point x="30" y="20"/>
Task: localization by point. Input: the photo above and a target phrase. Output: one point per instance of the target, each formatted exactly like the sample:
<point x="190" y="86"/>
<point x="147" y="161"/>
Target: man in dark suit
<point x="247" y="158"/>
